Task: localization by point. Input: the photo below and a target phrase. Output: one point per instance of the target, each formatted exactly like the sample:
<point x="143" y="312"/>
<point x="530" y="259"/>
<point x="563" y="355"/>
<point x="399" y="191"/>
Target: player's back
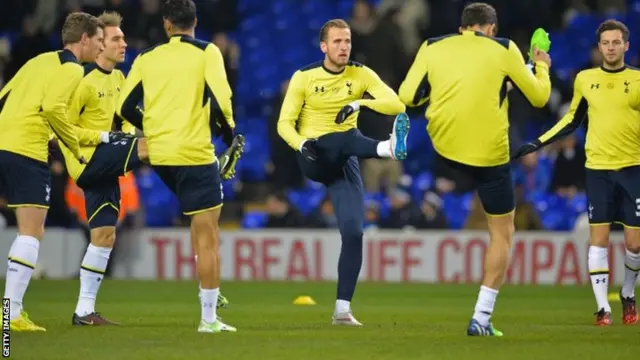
<point x="467" y="109"/>
<point x="466" y="77"/>
<point x="176" y="102"/>
<point x="24" y="129"/>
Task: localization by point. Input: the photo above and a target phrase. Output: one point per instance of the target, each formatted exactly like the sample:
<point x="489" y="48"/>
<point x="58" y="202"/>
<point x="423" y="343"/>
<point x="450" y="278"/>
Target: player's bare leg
<point x="206" y="238"/>
<point x="599" y="271"/>
<point x="496" y="261"/>
<point x="632" y="266"/>
<point x="94" y="265"/>
<point x="23" y="257"/>
<point x="143" y="150"/>
<point x="222" y="301"/>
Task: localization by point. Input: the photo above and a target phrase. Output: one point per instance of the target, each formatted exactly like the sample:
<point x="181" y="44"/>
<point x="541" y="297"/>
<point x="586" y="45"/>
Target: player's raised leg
<point x="396" y="147"/>
<point x="347" y="197"/>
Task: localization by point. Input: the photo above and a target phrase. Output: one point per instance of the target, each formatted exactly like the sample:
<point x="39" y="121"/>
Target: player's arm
<point x="291" y="107"/>
<point x="385" y="100"/>
<point x="220" y="94"/>
<point x="536" y="85"/>
<point x="415" y="88"/>
<point x="569" y="123"/>
<point x="55" y="102"/>
<point x="130" y="96"/>
<point x="78" y="102"/>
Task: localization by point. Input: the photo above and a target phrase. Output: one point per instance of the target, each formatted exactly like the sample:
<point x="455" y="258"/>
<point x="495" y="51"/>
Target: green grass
<point x="402" y="321"/>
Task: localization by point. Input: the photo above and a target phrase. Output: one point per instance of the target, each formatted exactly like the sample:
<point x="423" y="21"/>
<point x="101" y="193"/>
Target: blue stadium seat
<point x="254" y="220"/>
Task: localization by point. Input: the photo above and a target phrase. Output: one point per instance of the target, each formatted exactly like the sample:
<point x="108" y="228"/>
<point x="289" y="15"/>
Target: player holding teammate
<point x="32" y="105"/>
<point x="185" y="91"/>
<point x="110" y="154"/>
<point x="464" y="77"/>
<point x="318" y="119"/>
<point x="613" y="163"/>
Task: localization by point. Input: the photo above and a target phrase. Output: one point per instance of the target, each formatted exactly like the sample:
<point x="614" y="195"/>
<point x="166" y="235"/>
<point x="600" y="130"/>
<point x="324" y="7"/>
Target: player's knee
<point x="143" y="150"/>
<point x="632" y="240"/>
<point x="31" y="221"/>
<point x="501" y="228"/>
<point x="351" y="231"/>
<point x="103" y="236"/>
<point x="599" y="235"/>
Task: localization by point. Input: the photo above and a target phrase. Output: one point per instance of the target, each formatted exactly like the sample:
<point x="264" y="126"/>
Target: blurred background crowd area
<point x="265" y="41"/>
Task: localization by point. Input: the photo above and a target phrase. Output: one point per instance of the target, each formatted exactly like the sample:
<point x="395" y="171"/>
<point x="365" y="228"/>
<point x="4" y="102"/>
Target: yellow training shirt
<point x="464" y="78"/>
<point x="92" y="110"/>
<point x="605" y="98"/>
<point x="184" y="90"/>
<point x="35" y="102"/>
<point x="316" y="95"/>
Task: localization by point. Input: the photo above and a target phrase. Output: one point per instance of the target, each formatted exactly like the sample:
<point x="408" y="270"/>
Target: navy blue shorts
<point x="614" y="196"/>
<point x="494" y="185"/>
<point x="99" y="180"/>
<point x="25" y="182"/>
<point x="198" y="187"/>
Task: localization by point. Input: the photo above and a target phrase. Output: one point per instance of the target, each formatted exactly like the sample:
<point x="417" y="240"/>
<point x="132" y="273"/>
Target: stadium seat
<point x="254" y="220"/>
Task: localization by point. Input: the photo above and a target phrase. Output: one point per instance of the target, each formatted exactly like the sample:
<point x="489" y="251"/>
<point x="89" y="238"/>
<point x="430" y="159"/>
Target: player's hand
<point x="347" y="111"/>
<point x="526" y="149"/>
<point x="308" y="150"/>
<point x="539" y="55"/>
<point x="230" y="157"/>
<point x="113" y="136"/>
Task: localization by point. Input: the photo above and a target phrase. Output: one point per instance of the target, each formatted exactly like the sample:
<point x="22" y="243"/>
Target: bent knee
<point x="103" y="236"/>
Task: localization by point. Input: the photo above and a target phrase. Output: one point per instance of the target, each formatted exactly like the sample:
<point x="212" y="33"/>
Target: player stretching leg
<point x="613" y="163"/>
<point x="463" y="76"/>
<point x="109" y="154"/>
<point x="329" y="145"/>
<point x="31" y="104"/>
<point x="172" y="79"/>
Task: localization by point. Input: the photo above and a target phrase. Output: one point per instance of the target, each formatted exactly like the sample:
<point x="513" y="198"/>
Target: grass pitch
<point x="402" y="321"/>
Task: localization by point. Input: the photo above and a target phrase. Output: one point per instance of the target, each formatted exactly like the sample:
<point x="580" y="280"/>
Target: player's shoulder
<point x="633" y="69"/>
<point x="506" y="43"/>
<point x="199" y="44"/>
<point x="439" y="39"/>
<point x="310" y="67"/>
<point x="588" y="73"/>
<point x="67" y="57"/>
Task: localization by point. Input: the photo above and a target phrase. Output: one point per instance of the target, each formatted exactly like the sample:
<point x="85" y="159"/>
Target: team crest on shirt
<point x="626" y="86"/>
<point x="349" y="85"/>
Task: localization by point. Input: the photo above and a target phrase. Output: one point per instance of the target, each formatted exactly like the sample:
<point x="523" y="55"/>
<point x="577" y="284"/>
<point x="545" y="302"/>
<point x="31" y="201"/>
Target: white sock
<point x="92" y="271"/>
<point x="484" y="305"/>
<point x="384" y="149"/>
<point x="11" y="250"/>
<point x="208" y="303"/>
<point x="24" y="258"/>
<point x="631" y="268"/>
<point x="599" y="272"/>
<point x="342" y="306"/>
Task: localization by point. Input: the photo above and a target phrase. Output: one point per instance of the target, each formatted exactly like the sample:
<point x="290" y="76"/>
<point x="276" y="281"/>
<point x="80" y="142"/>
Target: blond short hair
<point x="110" y="18"/>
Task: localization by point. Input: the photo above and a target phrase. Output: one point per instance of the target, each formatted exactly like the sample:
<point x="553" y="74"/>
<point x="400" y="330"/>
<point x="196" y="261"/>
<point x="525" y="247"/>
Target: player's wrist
<point x="301" y="145"/>
<point x="104" y="137"/>
<point x="355" y="105"/>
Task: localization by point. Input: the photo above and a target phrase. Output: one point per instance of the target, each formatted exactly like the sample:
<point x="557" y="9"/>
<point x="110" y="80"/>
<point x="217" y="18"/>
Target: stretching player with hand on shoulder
<point x="603" y="95"/>
<point x="33" y="104"/>
<point x="318" y="119"/>
<point x="110" y="154"/>
<point x="186" y="96"/>
<point x="464" y="77"/>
